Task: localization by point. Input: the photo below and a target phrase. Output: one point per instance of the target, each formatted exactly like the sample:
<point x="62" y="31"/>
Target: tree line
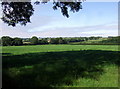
<point x="9" y="41"/>
<point x="111" y="40"/>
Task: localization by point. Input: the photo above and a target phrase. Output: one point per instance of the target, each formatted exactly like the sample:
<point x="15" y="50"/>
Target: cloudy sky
<point x="95" y="19"/>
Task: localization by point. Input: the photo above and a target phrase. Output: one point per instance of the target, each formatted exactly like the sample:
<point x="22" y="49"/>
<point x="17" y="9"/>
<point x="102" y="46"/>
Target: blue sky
<point x="95" y="19"/>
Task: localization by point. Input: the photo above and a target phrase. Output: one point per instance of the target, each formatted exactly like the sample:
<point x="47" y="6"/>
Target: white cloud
<point x="97" y="30"/>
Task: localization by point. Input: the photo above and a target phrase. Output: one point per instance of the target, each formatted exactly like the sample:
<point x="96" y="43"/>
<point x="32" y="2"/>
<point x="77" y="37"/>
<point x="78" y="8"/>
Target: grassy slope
<point x="55" y="59"/>
<point x="90" y="41"/>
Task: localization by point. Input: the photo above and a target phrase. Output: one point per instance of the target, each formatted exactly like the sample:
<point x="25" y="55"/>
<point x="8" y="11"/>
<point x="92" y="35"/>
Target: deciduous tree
<point x="20" y="12"/>
<point x="17" y="41"/>
<point x="34" y="40"/>
<point x="7" y="41"/>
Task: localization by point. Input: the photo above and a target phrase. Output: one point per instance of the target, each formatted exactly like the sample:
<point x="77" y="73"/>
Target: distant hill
<point x="100" y="41"/>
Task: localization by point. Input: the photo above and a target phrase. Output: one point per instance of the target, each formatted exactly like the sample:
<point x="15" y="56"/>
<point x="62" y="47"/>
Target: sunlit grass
<point x="15" y="50"/>
<point x="108" y="79"/>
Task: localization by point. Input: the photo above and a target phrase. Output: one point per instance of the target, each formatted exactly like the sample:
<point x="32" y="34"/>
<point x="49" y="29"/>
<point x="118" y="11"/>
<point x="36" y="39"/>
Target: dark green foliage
<point x="7" y="41"/>
<point x="96" y="41"/>
<point x="34" y="40"/>
<point x="64" y="40"/>
<point x="57" y="41"/>
<point x="74" y="7"/>
<point x="17" y="12"/>
<point x="26" y="39"/>
<point x="17" y="41"/>
<point x="48" y="69"/>
<point x="20" y="12"/>
<point x="43" y="41"/>
<point x="92" y="38"/>
<point x="54" y="40"/>
<point x="112" y="40"/>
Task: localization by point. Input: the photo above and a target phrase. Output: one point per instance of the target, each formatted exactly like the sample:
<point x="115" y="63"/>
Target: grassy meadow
<point x="57" y="66"/>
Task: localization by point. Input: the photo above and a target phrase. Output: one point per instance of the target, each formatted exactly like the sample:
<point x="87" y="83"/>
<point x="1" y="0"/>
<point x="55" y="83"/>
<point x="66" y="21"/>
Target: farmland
<point x="60" y="66"/>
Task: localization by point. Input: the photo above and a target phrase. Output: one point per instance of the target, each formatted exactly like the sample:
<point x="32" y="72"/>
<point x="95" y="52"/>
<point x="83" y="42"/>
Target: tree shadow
<point x="47" y="69"/>
<point x="6" y="54"/>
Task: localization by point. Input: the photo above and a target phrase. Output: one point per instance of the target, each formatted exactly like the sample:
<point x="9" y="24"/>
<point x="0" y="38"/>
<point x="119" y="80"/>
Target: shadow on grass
<point x="49" y="69"/>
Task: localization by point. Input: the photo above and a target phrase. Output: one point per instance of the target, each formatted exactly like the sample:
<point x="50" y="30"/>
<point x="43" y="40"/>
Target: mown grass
<point x="15" y="50"/>
<point x="60" y="66"/>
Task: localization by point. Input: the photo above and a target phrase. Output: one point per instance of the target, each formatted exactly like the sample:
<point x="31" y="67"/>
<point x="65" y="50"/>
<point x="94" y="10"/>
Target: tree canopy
<point x="34" y="40"/>
<point x="20" y="12"/>
<point x="8" y="41"/>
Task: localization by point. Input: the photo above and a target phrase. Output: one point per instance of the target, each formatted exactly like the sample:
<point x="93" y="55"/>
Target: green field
<point x="100" y="41"/>
<point x="90" y="41"/>
<point x="60" y="66"/>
